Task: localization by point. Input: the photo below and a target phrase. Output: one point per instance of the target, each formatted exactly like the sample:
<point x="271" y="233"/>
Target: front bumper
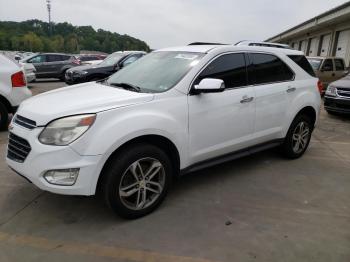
<point x="43" y="158"/>
<point x="72" y="78"/>
<point x="337" y="104"/>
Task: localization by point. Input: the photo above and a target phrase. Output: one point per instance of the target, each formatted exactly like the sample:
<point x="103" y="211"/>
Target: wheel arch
<point x="310" y="112"/>
<point x="6" y="103"/>
<point x="160" y="141"/>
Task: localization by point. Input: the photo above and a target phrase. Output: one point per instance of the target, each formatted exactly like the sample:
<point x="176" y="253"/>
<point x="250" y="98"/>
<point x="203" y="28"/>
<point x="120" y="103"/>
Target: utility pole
<point x="48" y="3"/>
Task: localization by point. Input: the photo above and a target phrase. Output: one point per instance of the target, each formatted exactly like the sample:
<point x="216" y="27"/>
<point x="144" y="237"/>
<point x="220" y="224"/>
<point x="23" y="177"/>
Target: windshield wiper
<point x="126" y="86"/>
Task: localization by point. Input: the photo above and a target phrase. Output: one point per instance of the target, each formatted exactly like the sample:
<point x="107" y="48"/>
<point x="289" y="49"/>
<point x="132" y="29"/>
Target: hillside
<point x="34" y="35"/>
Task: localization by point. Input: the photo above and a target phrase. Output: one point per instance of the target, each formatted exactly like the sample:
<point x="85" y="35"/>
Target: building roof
<point x="337" y="14"/>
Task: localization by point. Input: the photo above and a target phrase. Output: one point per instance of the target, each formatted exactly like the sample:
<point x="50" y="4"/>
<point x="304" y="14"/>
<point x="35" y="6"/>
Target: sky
<point x="163" y="23"/>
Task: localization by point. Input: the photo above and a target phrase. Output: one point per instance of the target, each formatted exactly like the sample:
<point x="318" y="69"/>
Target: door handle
<point x="246" y="99"/>
<point x="291" y="89"/>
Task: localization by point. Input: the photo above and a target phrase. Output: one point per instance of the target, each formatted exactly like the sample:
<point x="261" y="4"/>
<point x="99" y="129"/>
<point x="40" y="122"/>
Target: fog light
<point x="62" y="177"/>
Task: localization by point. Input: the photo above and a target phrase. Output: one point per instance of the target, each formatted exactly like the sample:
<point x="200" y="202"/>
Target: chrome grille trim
<point x="24" y="122"/>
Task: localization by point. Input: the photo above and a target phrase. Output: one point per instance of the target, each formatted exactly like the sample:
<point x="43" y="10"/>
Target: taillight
<point x="76" y="61"/>
<point x="18" y="79"/>
<point x="320" y="87"/>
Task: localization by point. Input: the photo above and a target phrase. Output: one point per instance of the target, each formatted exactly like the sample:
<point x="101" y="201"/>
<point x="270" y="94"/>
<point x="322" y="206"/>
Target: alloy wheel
<point x="142" y="183"/>
<point x="300" y="137"/>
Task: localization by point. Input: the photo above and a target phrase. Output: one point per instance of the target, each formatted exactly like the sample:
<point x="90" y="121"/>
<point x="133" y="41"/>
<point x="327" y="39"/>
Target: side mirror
<point x="209" y="85"/>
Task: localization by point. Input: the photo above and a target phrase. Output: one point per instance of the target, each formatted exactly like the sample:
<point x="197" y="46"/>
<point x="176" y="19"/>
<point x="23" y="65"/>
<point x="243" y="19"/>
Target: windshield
<point x="315" y="63"/>
<point x="157" y="72"/>
<point x="112" y="59"/>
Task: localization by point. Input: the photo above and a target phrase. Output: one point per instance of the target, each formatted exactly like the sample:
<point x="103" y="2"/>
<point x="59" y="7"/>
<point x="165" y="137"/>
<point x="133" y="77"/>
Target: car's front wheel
<point x="298" y="137"/>
<point x="136" y="180"/>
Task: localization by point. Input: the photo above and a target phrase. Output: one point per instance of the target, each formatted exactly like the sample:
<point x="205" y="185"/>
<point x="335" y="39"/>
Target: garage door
<point x="343" y="43"/>
<point x="314" y="46"/>
<point x="326" y="45"/>
<point x="303" y="46"/>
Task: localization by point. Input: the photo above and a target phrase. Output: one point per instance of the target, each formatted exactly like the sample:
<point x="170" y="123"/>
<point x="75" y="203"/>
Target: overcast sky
<point x="163" y="23"/>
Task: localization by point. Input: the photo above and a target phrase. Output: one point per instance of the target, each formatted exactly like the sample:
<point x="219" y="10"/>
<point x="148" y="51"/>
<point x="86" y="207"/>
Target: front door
<point x="327" y="72"/>
<point x="220" y="123"/>
<point x="38" y="62"/>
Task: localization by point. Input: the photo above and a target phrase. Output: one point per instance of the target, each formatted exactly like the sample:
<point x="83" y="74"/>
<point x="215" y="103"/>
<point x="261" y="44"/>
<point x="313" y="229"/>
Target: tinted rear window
<point x="301" y="61"/>
<point x="266" y="68"/>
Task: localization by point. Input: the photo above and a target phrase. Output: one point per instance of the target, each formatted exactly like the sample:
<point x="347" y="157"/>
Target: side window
<point x="130" y="60"/>
<point x="230" y="68"/>
<point x="328" y="65"/>
<point x="54" y="58"/>
<point x="339" y="65"/>
<point x="301" y="61"/>
<point x="266" y="68"/>
<point x="37" y="59"/>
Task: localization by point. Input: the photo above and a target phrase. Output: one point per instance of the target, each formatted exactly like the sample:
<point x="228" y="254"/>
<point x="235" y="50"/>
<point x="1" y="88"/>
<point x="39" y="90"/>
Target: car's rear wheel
<point x="4" y="117"/>
<point x="298" y="137"/>
<point x="136" y="180"/>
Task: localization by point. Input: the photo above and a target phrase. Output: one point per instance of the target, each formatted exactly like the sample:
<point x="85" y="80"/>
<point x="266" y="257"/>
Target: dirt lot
<point x="260" y="208"/>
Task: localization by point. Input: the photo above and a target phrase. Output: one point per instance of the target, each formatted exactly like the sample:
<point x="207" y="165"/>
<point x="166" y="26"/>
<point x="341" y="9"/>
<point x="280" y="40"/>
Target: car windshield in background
<point x="315" y="63"/>
<point x="112" y="59"/>
<point x="157" y="72"/>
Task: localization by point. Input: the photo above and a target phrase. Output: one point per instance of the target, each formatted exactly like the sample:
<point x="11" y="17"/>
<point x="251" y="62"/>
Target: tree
<point x="34" y="35"/>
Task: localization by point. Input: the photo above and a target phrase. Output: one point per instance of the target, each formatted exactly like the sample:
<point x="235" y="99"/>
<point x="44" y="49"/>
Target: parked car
<point x="13" y="89"/>
<point x="29" y="71"/>
<point x="107" y="67"/>
<point x="328" y="69"/>
<point x="52" y="65"/>
<point x="91" y="59"/>
<point x="337" y="97"/>
<point x="174" y="111"/>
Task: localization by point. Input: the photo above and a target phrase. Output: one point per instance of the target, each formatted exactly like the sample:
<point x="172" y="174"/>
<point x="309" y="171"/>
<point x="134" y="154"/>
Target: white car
<point x="29" y="71"/>
<point x="13" y="89"/>
<point x="173" y="111"/>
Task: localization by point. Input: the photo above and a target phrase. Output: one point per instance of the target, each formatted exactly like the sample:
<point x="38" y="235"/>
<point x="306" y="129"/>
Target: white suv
<point x="173" y="111"/>
<point x="13" y="89"/>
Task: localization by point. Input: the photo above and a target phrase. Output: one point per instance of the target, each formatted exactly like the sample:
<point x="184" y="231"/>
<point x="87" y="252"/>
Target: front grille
<point x="24" y="122"/>
<point x="18" y="148"/>
<point x="344" y="92"/>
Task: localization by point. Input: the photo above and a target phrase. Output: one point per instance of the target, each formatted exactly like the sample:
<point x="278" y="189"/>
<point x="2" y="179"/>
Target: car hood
<point x="344" y="82"/>
<point x="88" y="68"/>
<point x="78" y="99"/>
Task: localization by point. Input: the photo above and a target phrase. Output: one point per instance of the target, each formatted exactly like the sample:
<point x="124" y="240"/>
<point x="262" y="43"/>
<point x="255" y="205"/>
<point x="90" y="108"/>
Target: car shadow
<point x="61" y="211"/>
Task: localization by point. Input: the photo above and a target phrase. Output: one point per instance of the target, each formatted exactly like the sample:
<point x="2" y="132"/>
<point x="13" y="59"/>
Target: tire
<point x="4" y="117"/>
<point x="295" y="144"/>
<point x="124" y="186"/>
<point x="62" y="76"/>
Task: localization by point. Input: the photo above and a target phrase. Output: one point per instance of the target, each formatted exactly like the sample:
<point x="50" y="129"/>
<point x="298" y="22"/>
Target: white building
<point x="325" y="35"/>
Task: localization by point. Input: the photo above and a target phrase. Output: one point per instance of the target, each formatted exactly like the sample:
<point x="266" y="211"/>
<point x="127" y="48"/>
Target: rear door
<point x="220" y="123"/>
<point x="273" y="81"/>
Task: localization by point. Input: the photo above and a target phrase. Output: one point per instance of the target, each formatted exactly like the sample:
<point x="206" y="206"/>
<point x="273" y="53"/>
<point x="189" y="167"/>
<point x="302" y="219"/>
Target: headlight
<point x="62" y="132"/>
<point x="331" y="91"/>
<point x="82" y="72"/>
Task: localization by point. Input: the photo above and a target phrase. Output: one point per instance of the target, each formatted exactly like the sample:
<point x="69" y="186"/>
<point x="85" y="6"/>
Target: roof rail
<point x="264" y="44"/>
<point x="204" y="43"/>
